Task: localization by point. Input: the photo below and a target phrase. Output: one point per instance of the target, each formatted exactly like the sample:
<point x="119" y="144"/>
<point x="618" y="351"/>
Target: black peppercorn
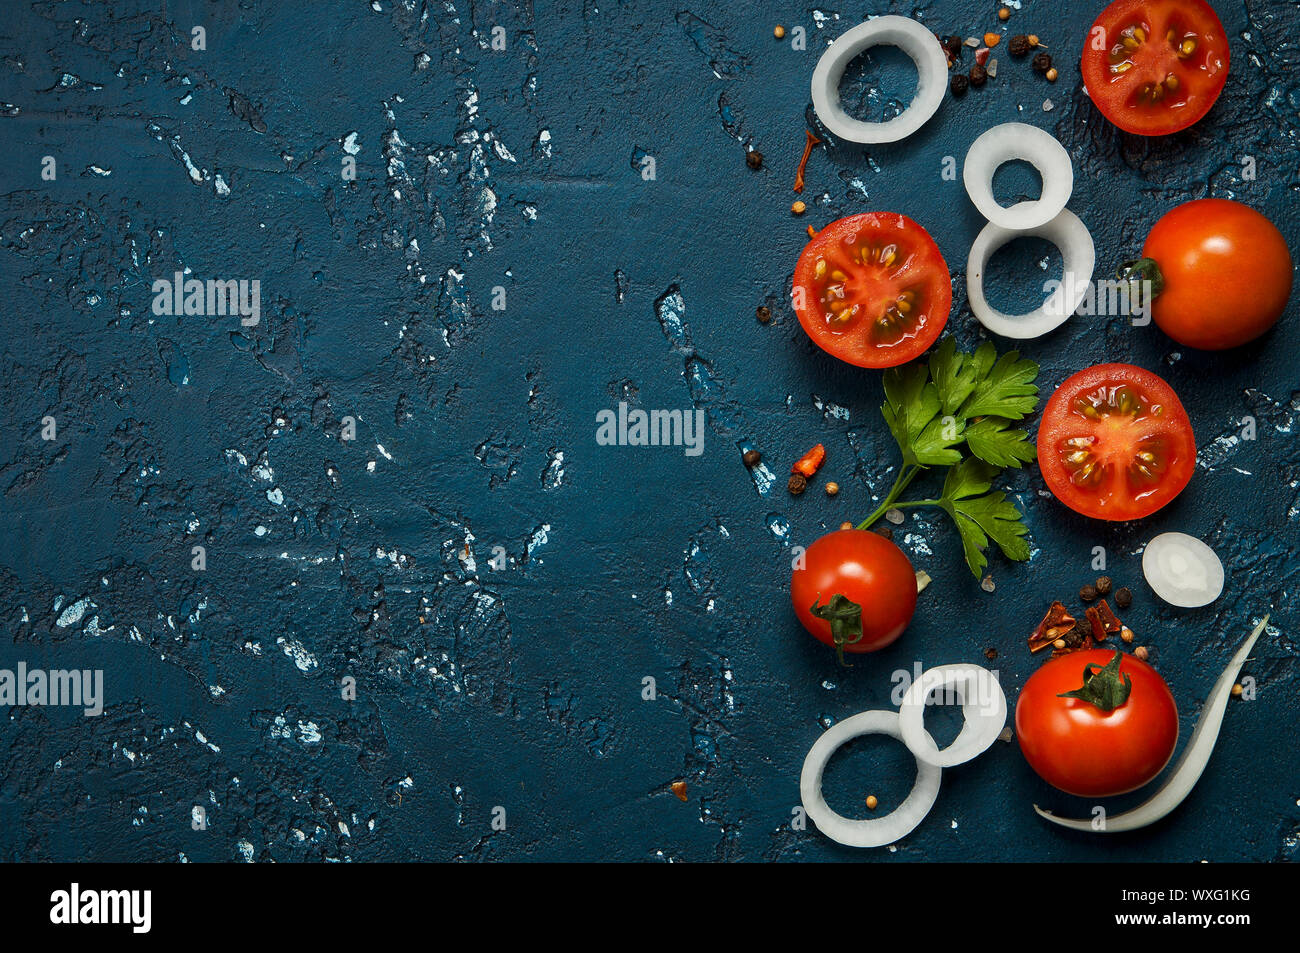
<point x="1074" y="638"/>
<point x="880" y="529"/>
<point x="1042" y="63"/>
<point x="1103" y="585"/>
<point x="959" y="85"/>
<point x="798" y="483"/>
<point x="978" y="76"/>
<point x="764" y="314"/>
<point x="1088" y="593"/>
<point x="990" y="653"/>
<point x="754" y="159"/>
<point x="1124" y="597"/>
<point x="952" y="46"/>
<point x="1019" y="45"/>
<point x="751" y="458"/>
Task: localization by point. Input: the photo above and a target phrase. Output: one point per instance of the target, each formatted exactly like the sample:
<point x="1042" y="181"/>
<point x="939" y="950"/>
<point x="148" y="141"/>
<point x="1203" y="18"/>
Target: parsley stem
<point x="905" y="477"/>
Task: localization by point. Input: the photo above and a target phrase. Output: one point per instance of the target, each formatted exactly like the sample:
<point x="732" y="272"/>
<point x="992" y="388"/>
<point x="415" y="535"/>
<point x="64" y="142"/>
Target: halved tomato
<point x="1154" y="67"/>
<point x="873" y="289"/>
<point x="1115" y="443"/>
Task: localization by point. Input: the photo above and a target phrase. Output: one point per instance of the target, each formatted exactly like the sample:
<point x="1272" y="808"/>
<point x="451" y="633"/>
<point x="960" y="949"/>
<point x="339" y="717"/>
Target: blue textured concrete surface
<point x="497" y="583"/>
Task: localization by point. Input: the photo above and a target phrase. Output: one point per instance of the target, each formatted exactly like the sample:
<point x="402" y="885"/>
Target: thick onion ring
<point x="984" y="710"/>
<point x="873" y="832"/>
<point x="910" y="37"/>
<point x="1018" y="140"/>
<point x="1074" y="240"/>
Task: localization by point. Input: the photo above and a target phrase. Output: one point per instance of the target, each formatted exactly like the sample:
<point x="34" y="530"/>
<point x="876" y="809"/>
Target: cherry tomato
<point x="862" y="580"/>
<point x="1227" y="273"/>
<point x="1115" y="443"/>
<point x="1080" y="747"/>
<point x="1155" y="66"/>
<point x="873" y="289"/>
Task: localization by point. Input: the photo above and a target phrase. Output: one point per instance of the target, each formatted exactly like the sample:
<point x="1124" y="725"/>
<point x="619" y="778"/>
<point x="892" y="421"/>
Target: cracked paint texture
<point x="496" y="583"/>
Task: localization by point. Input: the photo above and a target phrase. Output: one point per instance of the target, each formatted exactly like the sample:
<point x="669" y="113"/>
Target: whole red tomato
<point x="1226" y="271"/>
<point x="1079" y="745"/>
<point x="854" y="590"/>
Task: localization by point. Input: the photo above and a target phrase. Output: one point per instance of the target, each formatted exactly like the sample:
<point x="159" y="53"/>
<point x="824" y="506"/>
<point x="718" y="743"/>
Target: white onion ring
<point x="984" y="708"/>
<point x="1182" y="570"/>
<point x="874" y="832"/>
<point x="1068" y="234"/>
<point x="1018" y="140"/>
<point x="910" y="37"/>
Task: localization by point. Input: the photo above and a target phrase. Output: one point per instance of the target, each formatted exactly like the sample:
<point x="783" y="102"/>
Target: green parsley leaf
<point x="1003" y="387"/>
<point x="911" y="406"/>
<point x="954" y="375"/>
<point x="991" y="441"/>
<point x="980" y="518"/>
<point x="959" y="402"/>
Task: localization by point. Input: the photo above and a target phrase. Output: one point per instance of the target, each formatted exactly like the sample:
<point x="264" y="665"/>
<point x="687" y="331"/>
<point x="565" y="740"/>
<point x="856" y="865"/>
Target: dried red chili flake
<point x="810" y="462"/>
<point x="1094" y="620"/>
<point x="679" y="788"/>
<point x="982" y="56"/>
<point x="808" y="143"/>
<point x="1108" y="618"/>
<point x="1054" y="626"/>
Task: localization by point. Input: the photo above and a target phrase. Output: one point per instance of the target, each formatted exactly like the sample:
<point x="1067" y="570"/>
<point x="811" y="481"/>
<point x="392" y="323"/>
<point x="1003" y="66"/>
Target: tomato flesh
<point x="1115" y="443"/>
<point x="873" y="289"/>
<point x="1081" y="749"/>
<point x="1161" y="64"/>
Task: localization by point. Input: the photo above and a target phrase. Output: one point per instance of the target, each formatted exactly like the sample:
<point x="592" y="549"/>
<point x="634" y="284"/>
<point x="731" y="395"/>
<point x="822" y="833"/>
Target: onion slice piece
<point x="1182" y="570"/>
<point x="1190" y="766"/>
<point x="984" y="710"/>
<point x="910" y="37"/>
<point x="874" y="832"/>
<point x="1067" y="233"/>
<point x="1018" y="140"/>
